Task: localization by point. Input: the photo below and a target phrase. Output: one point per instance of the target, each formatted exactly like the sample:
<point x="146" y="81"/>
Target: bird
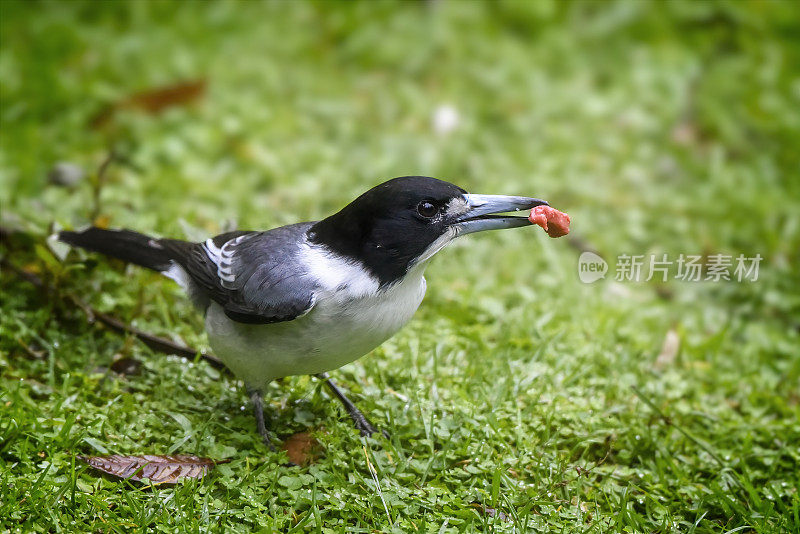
<point x="310" y="297"/>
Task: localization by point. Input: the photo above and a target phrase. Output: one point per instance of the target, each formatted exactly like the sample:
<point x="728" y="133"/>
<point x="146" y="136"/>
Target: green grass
<point x="661" y="128"/>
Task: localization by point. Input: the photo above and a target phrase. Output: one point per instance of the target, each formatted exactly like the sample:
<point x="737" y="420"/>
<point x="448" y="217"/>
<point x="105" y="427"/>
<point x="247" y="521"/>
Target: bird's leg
<point x="360" y="420"/>
<point x="258" y="408"/>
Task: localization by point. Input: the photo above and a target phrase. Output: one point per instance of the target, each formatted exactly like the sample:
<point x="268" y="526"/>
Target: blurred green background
<point x="519" y="398"/>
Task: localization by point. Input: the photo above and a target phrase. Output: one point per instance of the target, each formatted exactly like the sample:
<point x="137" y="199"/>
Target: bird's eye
<point x="426" y="209"/>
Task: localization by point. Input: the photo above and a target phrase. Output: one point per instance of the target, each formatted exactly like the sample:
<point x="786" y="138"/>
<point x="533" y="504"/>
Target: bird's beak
<point x="481" y="212"/>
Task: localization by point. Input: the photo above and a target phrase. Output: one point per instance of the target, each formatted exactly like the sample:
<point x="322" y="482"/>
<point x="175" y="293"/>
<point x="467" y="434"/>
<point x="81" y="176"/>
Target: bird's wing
<point x="255" y="276"/>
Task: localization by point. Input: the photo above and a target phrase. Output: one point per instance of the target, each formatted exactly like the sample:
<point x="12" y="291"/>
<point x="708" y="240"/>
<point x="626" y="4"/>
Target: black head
<point x="399" y="223"/>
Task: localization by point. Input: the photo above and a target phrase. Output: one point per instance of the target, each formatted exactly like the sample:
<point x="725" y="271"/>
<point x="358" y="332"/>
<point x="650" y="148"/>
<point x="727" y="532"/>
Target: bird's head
<point x="405" y="221"/>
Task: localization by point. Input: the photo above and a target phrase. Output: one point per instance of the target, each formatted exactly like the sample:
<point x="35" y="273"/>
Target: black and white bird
<point x="311" y="297"/>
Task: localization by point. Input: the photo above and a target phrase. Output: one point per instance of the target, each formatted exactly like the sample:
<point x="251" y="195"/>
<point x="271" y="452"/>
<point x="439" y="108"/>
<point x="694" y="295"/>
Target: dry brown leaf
<point x="669" y="349"/>
<point x="154" y="100"/>
<point x="159" y="469"/>
<point x="159" y="99"/>
<point x="301" y="448"/>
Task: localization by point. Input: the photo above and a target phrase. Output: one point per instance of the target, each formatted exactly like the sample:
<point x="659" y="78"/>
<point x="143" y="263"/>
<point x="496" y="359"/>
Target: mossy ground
<point x="662" y="128"/>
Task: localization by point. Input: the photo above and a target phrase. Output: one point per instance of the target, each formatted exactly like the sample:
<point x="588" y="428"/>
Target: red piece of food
<point x="554" y="222"/>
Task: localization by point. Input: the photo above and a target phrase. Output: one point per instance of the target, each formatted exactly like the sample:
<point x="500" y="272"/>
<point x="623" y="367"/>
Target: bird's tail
<point x="125" y="245"/>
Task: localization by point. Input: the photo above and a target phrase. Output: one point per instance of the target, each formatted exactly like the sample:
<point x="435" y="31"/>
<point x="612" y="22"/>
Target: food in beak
<point x="554" y="222"/>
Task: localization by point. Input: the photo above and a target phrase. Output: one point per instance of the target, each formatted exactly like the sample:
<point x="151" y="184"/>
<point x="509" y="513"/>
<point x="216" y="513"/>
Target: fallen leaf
<point x="154" y="100"/>
<point x="159" y="469"/>
<point x="301" y="448"/>
<point x="159" y="99"/>
<point x="669" y="349"/>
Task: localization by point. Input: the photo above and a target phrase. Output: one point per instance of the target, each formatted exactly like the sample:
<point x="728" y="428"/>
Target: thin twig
<point x="156" y="343"/>
<point x="98" y="183"/>
<point x="668" y="421"/>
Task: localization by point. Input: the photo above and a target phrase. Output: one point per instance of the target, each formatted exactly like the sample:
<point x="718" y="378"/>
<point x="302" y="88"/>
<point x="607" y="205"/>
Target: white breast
<point x="351" y="316"/>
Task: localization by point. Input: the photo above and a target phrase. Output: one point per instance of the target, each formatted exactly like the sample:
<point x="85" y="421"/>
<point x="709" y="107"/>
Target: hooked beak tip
<point x="482" y="212"/>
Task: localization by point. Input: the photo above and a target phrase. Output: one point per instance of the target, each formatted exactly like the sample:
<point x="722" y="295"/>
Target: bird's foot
<point x="258" y="409"/>
<point x="266" y="438"/>
<point x="363" y="424"/>
<point x="360" y="421"/>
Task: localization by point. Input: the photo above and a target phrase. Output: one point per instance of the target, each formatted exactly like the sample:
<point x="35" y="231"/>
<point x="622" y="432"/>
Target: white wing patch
<point x="212" y="250"/>
<point x="223" y="259"/>
<point x="177" y="273"/>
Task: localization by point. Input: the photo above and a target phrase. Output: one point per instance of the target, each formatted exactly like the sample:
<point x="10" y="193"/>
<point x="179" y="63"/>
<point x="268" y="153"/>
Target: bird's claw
<point x="365" y="427"/>
<point x="266" y="438"/>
